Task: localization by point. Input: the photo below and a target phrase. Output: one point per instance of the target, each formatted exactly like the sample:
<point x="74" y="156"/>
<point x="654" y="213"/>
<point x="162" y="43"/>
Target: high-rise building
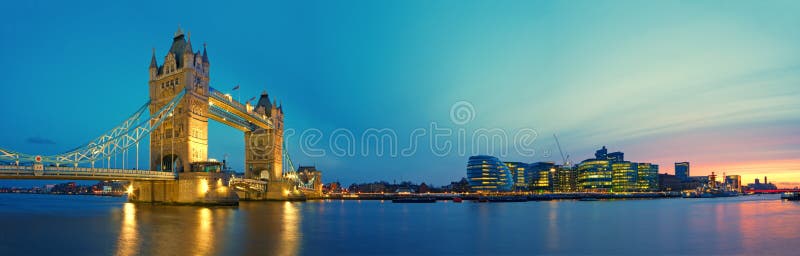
<point x="521" y="175"/>
<point x="668" y="182"/>
<point x="488" y="174"/>
<point x="647" y="179"/>
<point x="595" y="175"/>
<point x="616" y="156"/>
<point x="601" y="153"/>
<point x="566" y="178"/>
<point x="682" y="170"/>
<point x="610" y="172"/>
<point x="613" y="156"/>
<point x="544" y="179"/>
<point x="624" y="176"/>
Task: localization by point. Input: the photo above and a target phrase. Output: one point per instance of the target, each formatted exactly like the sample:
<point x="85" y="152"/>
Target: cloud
<point x="40" y="140"/>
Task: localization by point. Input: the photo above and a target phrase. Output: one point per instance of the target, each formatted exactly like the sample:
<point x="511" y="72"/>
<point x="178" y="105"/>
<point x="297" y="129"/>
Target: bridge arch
<point x="171" y="162"/>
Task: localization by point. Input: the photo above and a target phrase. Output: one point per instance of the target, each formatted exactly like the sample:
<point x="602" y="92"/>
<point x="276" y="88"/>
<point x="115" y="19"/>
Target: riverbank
<point x="530" y="197"/>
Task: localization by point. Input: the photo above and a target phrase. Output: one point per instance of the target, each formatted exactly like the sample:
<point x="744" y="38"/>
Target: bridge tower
<point x="264" y="148"/>
<point x="183" y="137"/>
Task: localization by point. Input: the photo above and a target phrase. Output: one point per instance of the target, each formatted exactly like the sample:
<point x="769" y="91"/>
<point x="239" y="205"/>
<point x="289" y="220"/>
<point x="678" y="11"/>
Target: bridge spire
<point x="179" y="32"/>
<point x="205" y="54"/>
<point x="188" y="47"/>
<point x="153" y="62"/>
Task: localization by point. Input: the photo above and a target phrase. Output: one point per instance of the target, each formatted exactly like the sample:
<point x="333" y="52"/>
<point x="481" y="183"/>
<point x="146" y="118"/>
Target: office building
<point x="682" y="171"/>
<point x="603" y="154"/>
<point x="565" y="180"/>
<point x="521" y="175"/>
<point x="647" y="179"/>
<point x="545" y="172"/>
<point x="610" y="172"/>
<point x="488" y="174"/>
<point x="625" y="176"/>
<point x="595" y="175"/>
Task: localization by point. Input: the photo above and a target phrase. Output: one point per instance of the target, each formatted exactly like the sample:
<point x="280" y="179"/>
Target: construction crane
<point x="563" y="158"/>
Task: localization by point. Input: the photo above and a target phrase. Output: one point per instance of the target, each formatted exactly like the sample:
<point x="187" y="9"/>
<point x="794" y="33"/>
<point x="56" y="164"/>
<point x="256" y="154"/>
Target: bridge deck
<point x="80" y="173"/>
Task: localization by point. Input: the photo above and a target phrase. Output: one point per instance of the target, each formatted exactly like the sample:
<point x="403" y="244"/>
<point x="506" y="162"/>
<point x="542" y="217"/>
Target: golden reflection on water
<point x="552" y="226"/>
<point x="291" y="234"/>
<point x="203" y="235"/>
<point x="174" y="230"/>
<point x="128" y="242"/>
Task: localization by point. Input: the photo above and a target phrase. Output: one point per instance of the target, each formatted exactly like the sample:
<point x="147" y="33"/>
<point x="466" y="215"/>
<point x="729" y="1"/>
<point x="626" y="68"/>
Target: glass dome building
<point x="488" y="174"/>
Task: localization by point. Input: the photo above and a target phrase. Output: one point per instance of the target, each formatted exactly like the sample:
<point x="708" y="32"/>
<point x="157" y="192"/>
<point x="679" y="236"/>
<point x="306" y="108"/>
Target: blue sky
<point x="711" y="82"/>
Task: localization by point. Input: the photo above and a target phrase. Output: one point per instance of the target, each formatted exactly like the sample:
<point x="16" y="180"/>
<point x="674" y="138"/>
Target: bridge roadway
<point x="80" y="173"/>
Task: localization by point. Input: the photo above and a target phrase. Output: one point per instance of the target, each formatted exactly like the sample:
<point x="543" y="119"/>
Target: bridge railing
<point x="53" y="171"/>
<point x="248" y="184"/>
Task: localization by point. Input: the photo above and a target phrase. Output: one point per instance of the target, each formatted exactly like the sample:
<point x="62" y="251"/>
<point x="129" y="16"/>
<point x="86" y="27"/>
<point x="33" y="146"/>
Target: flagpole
<point x="238" y="93"/>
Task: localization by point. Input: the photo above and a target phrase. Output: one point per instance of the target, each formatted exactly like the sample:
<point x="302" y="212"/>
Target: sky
<point x="715" y="83"/>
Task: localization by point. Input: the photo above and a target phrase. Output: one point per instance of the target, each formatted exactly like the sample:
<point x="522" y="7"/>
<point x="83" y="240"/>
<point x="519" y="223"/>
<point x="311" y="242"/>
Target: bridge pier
<point x="261" y="190"/>
<point x="279" y="190"/>
<point x="196" y="188"/>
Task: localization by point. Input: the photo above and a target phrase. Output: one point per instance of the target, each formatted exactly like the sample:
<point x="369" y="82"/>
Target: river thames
<point x="87" y="225"/>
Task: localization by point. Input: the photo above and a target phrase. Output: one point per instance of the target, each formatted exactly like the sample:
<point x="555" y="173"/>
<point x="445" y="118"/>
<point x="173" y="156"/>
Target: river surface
<point x="87" y="225"/>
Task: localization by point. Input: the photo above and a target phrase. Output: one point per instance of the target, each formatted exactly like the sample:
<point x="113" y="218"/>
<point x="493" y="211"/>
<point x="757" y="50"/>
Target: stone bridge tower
<point x="182" y="138"/>
<point x="264" y="148"/>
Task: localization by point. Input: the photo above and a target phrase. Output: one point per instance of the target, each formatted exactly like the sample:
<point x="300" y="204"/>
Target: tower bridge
<point x="180" y="105"/>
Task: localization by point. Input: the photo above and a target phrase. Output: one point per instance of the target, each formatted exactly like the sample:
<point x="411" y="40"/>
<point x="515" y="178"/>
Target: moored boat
<point x="457" y="200"/>
<point x="791" y="196"/>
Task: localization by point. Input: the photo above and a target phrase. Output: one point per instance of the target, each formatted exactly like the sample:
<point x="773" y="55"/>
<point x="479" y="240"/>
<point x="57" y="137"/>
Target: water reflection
<point x="753" y="225"/>
<point x="552" y="226"/>
<point x="291" y="233"/>
<point x="170" y="230"/>
<point x="268" y="228"/>
<point x="129" y="235"/>
<point x="203" y="236"/>
<point x="759" y="220"/>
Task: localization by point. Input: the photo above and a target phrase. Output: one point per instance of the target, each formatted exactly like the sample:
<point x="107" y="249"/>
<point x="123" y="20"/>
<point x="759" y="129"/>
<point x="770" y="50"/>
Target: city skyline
<point x="713" y="86"/>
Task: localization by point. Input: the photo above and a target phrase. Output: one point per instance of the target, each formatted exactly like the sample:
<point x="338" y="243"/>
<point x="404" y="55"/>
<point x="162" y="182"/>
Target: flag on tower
<point x="251" y="99"/>
<point x="236" y="87"/>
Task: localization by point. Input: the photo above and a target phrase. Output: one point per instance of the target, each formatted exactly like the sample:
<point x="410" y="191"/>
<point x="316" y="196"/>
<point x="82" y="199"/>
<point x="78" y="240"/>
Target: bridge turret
<point x="183" y="138"/>
<point x="276" y="114"/>
<point x="153" y="66"/>
<point x="188" y="56"/>
<point x="206" y="63"/>
<point x="264" y="106"/>
<point x="205" y="55"/>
